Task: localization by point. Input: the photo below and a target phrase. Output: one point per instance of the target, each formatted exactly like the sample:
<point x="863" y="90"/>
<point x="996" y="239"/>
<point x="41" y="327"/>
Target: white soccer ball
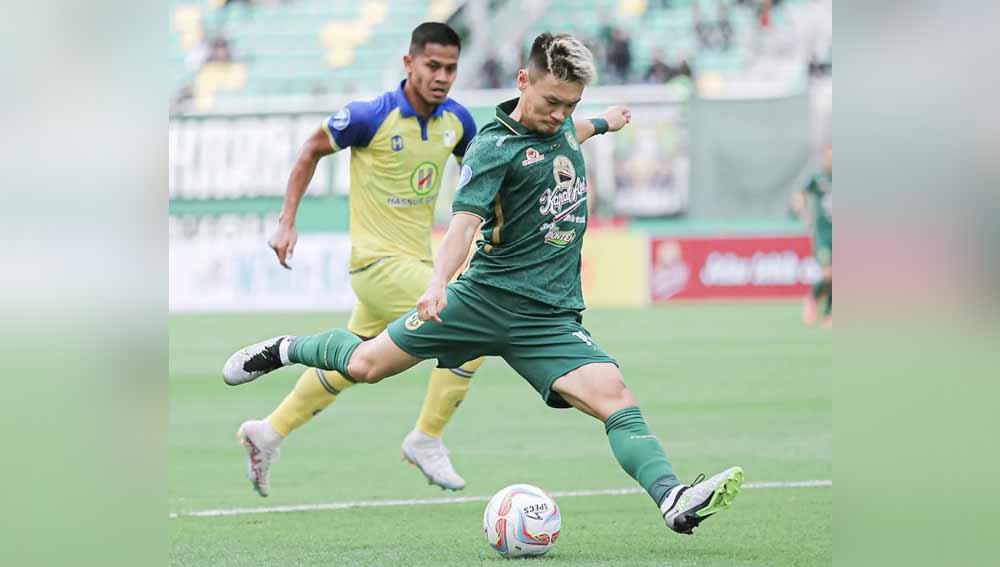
<point x="521" y="520"/>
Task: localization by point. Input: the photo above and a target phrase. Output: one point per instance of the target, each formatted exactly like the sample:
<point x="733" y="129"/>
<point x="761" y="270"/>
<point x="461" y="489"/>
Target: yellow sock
<point x="315" y="390"/>
<point x="445" y="391"/>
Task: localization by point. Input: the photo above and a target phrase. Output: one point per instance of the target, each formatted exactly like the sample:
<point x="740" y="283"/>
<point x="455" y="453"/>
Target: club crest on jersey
<point x="413" y="322"/>
<point x="564" y="172"/>
<point x="397" y="143"/>
<point x="424" y="177"/>
<point x="532" y="156"/>
<point x="449" y="138"/>
<point x="571" y="140"/>
<point x="341" y="119"/>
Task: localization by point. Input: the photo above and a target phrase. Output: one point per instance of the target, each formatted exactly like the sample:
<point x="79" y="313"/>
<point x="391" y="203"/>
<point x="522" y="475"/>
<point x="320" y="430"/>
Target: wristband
<point x="600" y="125"/>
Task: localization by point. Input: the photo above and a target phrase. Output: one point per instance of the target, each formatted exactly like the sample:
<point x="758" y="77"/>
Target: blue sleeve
<point x="468" y="129"/>
<point x="355" y="124"/>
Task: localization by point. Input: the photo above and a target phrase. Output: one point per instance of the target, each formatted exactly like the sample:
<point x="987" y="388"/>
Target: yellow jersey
<point x="397" y="159"/>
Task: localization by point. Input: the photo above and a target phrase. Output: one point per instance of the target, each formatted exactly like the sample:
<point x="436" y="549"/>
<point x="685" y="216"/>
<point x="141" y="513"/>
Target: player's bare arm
<point x="451" y="256"/>
<point x="284" y="238"/>
<point x="616" y="116"/>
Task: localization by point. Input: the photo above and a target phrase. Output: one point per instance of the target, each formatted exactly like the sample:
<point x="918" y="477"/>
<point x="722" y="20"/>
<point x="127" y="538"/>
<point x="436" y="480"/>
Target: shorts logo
<point x="341" y="119"/>
<point x="449" y="138"/>
<point x="532" y="156"/>
<point x="413" y="322"/>
<point x="397" y="143"/>
<point x="571" y="140"/>
<point x="464" y="177"/>
<point x="424" y="178"/>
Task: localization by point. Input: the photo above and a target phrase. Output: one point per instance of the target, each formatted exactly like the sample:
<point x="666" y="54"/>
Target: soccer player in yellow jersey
<point x="400" y="142"/>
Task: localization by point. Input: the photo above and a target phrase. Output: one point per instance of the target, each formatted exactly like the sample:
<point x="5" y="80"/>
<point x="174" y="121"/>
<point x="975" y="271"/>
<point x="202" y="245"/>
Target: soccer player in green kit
<point x="820" y="186"/>
<point x="523" y="185"/>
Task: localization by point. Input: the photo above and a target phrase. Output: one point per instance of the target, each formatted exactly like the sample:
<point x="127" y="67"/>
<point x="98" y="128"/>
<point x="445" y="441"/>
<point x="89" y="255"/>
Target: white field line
<point x="457" y="500"/>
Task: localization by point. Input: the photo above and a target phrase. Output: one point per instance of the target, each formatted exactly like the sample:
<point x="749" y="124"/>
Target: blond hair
<point x="563" y="55"/>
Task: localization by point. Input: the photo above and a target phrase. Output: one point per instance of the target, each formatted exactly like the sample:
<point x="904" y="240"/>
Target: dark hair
<point x="433" y="32"/>
<point x="562" y="55"/>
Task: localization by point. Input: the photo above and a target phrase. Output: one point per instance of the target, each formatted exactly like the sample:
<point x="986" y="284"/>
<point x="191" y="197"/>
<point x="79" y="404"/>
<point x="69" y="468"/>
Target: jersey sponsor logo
<point x="397" y="143"/>
<point x="560" y="238"/>
<point x="571" y="140"/>
<point x="413" y="322"/>
<point x="423" y="178"/>
<point x="532" y="156"/>
<point x="464" y="177"/>
<point x="403" y="202"/>
<point x="341" y="119"/>
<point x="569" y="193"/>
<point x="449" y="138"/>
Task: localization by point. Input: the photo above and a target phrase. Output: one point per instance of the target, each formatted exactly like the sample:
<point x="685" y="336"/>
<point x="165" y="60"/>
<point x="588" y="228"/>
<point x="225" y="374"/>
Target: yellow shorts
<point x="386" y="290"/>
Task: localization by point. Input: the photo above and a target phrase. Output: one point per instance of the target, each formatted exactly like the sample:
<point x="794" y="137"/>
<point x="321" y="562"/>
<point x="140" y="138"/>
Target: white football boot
<point x="430" y="455"/>
<point x="686" y="506"/>
<point x="256" y="360"/>
<point x="260" y="441"/>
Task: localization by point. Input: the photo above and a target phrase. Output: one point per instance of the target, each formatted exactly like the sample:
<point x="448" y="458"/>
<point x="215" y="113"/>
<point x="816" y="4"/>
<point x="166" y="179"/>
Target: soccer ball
<point x="521" y="520"/>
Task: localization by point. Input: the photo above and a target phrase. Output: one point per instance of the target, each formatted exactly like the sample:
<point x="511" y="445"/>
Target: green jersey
<point x="821" y="186"/>
<point x="531" y="192"/>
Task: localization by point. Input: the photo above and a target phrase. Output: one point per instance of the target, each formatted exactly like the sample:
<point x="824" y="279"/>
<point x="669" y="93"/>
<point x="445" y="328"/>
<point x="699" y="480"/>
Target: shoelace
<point x="697" y="479"/>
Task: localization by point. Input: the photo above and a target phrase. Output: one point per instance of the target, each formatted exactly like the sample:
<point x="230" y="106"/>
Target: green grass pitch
<point x="720" y="384"/>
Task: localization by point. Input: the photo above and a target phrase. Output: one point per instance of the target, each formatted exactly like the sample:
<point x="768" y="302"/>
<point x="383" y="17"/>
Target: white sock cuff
<point x="283" y="350"/>
<point x="268" y="433"/>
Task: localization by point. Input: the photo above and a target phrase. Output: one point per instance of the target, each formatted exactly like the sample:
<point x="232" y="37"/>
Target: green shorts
<point x="540" y="342"/>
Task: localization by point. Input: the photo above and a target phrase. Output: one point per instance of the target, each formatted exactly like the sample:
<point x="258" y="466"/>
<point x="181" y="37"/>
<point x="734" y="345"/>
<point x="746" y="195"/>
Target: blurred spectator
<point x="619" y="57"/>
<point x="607" y="29"/>
<point x="220" y="52"/>
<point x="492" y="72"/>
<point x="603" y="37"/>
<point x="214" y="50"/>
<point x="197" y="56"/>
<point x="713" y="35"/>
<point x="660" y="71"/>
<point x="764" y="11"/>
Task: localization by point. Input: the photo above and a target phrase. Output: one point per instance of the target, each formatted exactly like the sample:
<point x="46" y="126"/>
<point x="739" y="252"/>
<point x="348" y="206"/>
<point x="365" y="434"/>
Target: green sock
<point x="818" y="289"/>
<point x="829" y="301"/>
<point x="639" y="452"/>
<point x="331" y="350"/>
